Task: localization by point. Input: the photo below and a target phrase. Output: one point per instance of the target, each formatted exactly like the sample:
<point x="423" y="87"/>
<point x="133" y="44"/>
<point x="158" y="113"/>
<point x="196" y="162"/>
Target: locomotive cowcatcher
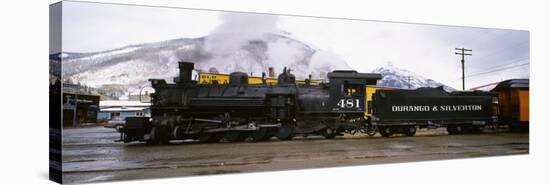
<point x="238" y="110"/>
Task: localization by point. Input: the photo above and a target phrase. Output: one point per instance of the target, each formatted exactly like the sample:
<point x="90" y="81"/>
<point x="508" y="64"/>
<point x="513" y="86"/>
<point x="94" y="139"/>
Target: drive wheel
<point x="410" y="131"/>
<point x="329" y="133"/>
<point x="385" y="131"/>
<point x="261" y="134"/>
<point x="285" y="132"/>
<point x="235" y="136"/>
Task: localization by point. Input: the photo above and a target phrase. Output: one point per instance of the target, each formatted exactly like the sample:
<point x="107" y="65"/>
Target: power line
<point x="502" y="65"/>
<point x="501" y="50"/>
<point x="496" y="70"/>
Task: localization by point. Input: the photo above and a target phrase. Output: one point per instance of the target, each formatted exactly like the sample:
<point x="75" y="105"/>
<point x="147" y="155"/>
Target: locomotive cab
<point x="347" y="90"/>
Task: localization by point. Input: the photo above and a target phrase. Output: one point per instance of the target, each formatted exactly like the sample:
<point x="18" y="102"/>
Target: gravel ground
<point x="91" y="155"/>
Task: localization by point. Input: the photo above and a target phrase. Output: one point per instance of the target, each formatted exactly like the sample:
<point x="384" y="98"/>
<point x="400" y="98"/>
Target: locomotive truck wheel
<point x="459" y="129"/>
<point x="410" y="131"/>
<point x="385" y="131"/>
<point x="235" y="136"/>
<point x="159" y="135"/>
<point x="455" y="129"/>
<point x="329" y="133"/>
<point x="371" y="131"/>
<point x="285" y="132"/>
<point x="474" y="129"/>
<point x="451" y="129"/>
<point x="260" y="135"/>
<point x="478" y="129"/>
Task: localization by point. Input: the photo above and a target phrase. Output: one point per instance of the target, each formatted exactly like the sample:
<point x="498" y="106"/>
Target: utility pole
<point x="409" y="78"/>
<point x="462" y="52"/>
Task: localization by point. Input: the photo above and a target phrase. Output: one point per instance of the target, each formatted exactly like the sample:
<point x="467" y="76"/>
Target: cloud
<point x="237" y="29"/>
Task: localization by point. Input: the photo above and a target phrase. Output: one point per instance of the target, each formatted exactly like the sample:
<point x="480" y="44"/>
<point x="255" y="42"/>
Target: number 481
<point x="348" y="103"/>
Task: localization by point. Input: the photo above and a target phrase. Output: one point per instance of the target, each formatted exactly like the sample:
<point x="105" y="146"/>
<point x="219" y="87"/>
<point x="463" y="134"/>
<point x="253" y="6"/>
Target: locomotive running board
<point x="237" y="128"/>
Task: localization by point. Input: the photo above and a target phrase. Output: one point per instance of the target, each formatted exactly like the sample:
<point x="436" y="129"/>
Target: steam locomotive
<point x="238" y="110"/>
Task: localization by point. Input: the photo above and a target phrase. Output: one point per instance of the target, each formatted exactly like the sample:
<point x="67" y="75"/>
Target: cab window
<point x="352" y="89"/>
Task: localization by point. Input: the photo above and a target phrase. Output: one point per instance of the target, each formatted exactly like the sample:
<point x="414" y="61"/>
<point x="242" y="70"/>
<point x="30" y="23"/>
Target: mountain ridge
<point x="125" y="70"/>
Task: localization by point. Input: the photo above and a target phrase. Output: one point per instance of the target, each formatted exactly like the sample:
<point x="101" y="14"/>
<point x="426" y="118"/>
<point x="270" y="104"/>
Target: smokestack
<point x="186" y="73"/>
<point x="271" y="72"/>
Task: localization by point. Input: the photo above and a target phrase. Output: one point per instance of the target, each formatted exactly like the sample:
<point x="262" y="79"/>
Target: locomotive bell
<point x="286" y="77"/>
<point x="238" y="78"/>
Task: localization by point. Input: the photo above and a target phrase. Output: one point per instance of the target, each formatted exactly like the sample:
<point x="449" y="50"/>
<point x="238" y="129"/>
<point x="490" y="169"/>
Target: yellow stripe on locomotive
<point x="211" y="78"/>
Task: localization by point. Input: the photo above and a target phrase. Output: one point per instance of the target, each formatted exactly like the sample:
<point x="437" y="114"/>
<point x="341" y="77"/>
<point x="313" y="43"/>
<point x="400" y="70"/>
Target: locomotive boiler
<point x="238" y="110"/>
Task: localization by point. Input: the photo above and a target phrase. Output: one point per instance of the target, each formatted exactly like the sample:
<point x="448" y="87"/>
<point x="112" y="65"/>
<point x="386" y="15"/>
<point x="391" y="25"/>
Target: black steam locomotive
<point x="239" y="110"/>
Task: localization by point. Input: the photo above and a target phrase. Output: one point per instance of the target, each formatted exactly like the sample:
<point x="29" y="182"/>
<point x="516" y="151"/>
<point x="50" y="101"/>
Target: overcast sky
<point x="428" y="50"/>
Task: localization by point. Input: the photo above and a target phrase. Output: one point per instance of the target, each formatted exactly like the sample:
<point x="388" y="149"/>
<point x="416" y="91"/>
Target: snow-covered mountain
<point x="405" y="79"/>
<point x="128" y="68"/>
